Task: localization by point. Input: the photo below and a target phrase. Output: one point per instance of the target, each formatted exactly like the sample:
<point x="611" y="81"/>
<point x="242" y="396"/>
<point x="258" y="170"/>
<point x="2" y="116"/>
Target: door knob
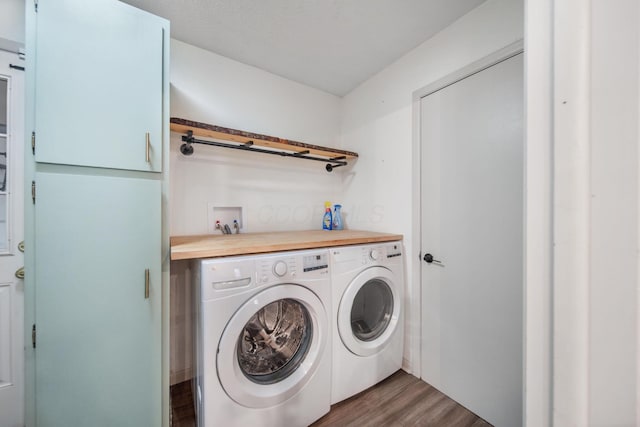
<point x="20" y="273"/>
<point x="428" y="258"/>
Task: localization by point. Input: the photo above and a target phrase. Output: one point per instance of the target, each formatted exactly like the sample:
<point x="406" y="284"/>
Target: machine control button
<point x="280" y="268"/>
<point x="374" y="254"/>
<point x="265" y="278"/>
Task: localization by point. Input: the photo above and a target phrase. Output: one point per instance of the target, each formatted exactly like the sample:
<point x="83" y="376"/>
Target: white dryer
<point x="367" y="322"/>
<point x="263" y="339"/>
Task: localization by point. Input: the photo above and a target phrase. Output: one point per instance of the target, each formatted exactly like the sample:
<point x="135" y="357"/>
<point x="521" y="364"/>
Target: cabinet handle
<point x="146" y="283"/>
<point x="148" y="148"/>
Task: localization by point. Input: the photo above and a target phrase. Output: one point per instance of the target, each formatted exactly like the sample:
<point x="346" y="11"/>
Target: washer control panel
<point x="280" y="268"/>
<point x="315" y="262"/>
<point x="283" y="267"/>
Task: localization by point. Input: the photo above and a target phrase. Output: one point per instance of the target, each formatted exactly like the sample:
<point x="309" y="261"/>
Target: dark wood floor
<point x="400" y="400"/>
<point x="183" y="413"/>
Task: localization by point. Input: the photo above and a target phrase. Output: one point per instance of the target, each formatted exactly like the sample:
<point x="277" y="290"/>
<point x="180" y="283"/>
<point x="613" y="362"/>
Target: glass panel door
<point x="12" y="351"/>
<point x="4" y="166"/>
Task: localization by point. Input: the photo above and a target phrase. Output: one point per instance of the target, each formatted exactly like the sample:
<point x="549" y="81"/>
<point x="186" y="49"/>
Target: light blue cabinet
<point x="98" y="333"/>
<point x="97" y="238"/>
<point x="98" y="84"/>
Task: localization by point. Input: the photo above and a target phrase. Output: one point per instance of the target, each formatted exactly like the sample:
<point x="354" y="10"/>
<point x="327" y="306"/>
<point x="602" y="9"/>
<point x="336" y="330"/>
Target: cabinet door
<point x="98" y="337"/>
<point x="98" y="85"/>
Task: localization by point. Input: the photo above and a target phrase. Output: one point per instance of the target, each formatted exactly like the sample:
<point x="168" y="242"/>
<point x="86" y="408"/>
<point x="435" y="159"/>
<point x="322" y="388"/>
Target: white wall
<point x="538" y="246"/>
<point x="377" y="122"/>
<point x="595" y="189"/>
<point x="11" y="24"/>
<point x="278" y="193"/>
<point x="614" y="219"/>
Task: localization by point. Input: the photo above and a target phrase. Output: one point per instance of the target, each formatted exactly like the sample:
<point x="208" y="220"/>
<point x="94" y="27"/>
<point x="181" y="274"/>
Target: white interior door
<point x="11" y="234"/>
<point x="472" y="221"/>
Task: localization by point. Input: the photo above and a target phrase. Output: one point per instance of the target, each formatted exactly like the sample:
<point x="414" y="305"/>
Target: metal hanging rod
<point x="188" y="139"/>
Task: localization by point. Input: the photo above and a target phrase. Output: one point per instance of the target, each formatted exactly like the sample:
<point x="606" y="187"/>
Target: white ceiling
<point x="332" y="45"/>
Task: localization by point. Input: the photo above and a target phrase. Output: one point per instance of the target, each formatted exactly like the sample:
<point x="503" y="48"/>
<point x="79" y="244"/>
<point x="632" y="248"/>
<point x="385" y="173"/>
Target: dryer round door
<point x="272" y="346"/>
<point x="369" y="311"/>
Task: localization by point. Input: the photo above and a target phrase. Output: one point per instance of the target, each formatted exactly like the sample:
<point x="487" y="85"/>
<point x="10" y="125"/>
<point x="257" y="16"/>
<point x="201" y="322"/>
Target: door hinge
<point x="33" y="192"/>
<point x="33" y="336"/>
<point x="35" y="5"/>
<point x="33" y="142"/>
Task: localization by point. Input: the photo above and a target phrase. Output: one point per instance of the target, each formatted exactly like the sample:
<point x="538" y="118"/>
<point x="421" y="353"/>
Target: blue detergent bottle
<point x="337" y="218"/>
<point x="327" y="220"/>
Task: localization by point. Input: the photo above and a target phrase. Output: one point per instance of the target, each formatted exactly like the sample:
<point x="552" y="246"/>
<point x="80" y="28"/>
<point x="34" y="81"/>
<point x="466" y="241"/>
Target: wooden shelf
<point x="247" y="140"/>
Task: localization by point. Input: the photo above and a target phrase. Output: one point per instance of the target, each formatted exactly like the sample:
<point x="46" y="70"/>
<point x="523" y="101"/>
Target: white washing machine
<point x="263" y="339"/>
<point x="367" y="322"/>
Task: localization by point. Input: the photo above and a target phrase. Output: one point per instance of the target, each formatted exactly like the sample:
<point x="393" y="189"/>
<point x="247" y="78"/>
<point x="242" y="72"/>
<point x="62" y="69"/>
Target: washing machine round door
<point x="369" y="311"/>
<point x="272" y="345"/>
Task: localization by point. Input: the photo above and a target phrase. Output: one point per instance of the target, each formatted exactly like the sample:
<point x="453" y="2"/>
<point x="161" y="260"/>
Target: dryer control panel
<point x="394" y="250"/>
<point x="349" y="258"/>
<point x="380" y="254"/>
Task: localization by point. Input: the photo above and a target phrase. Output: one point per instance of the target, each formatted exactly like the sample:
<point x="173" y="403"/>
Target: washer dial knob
<point x="280" y="268"/>
<point x="374" y="254"/>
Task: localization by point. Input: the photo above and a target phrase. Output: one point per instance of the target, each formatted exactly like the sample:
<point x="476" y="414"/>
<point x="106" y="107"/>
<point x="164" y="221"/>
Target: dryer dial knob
<point x="280" y="268"/>
<point x="374" y="254"/>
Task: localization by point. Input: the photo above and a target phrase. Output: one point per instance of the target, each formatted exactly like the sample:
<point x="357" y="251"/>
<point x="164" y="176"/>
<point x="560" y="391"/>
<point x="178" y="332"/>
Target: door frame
<point x="414" y="312"/>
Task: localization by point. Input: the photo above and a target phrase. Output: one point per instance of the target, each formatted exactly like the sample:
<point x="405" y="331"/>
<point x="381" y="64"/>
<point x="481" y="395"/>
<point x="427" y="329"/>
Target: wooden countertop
<point x="220" y="245"/>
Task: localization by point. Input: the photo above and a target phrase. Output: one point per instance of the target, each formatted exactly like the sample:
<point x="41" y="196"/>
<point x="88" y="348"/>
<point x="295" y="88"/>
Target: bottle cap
<point x="327" y="204"/>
